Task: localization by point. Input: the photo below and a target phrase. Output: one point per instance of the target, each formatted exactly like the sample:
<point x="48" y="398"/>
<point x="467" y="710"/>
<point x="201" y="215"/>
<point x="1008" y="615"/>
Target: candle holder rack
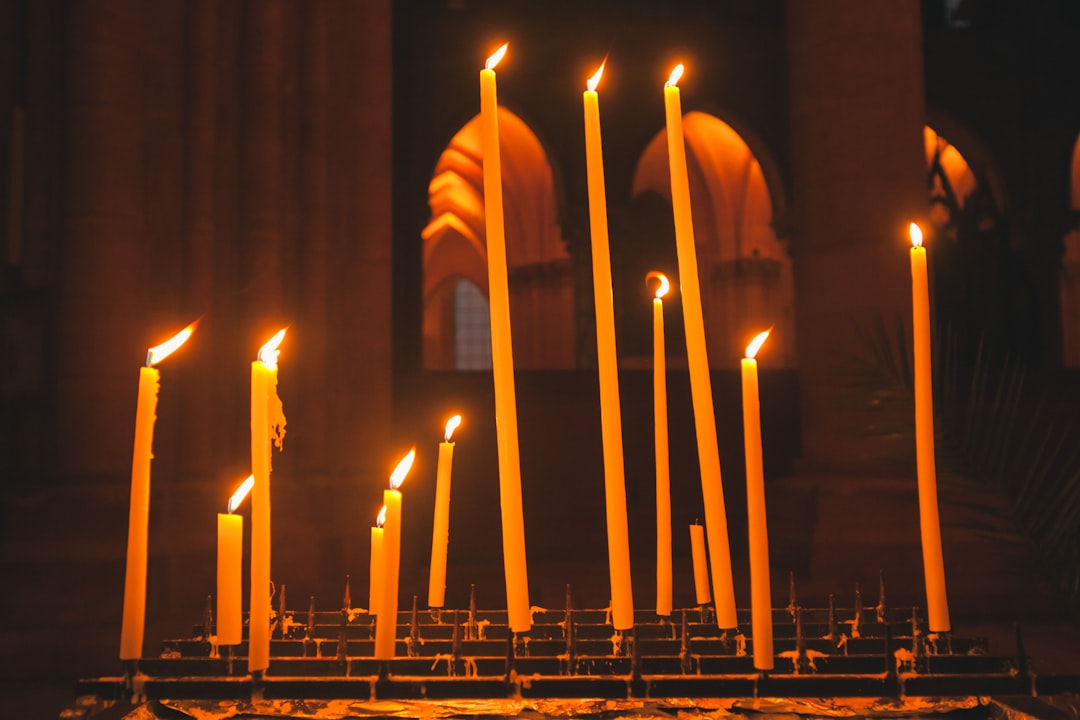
<point x="858" y="652"/>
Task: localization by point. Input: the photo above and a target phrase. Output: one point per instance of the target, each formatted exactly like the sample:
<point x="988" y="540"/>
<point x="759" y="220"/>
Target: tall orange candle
<point x="697" y="359"/>
<point x="134" y="616"/>
<point x="267" y="426"/>
<point x="440" y="532"/>
<point x="502" y="358"/>
<point x="660" y="441"/>
<point x="701" y="566"/>
<point x="618" y="533"/>
<point x="386" y="620"/>
<point x="937" y="602"/>
<point x="760" y="592"/>
<point x="230" y="552"/>
<point x="375" y="567"/>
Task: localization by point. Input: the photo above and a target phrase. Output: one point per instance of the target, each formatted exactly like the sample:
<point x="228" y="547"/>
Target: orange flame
<point x="241" y="493"/>
<point x="496" y="56"/>
<point x="159" y="352"/>
<point x="663" y="287"/>
<point x="595" y="79"/>
<point x="398" y="476"/>
<point x="756" y="343"/>
<point x="380" y="519"/>
<point x="916" y="235"/>
<point x="673" y="79"/>
<point x="268" y="353"/>
<point x="451" y="425"/>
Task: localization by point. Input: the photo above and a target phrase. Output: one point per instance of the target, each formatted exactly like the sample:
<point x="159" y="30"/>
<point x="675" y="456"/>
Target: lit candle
<point x="440" y="532"/>
<point x="502" y="359"/>
<point x="267" y="425"/>
<point x="386" y="621"/>
<point x="134" y="620"/>
<point x="622" y="600"/>
<point x="937" y="603"/>
<point x="712" y="490"/>
<point x="701" y="567"/>
<point x="230" y="550"/>
<point x="660" y="435"/>
<point x="375" y="564"/>
<point x="760" y="593"/>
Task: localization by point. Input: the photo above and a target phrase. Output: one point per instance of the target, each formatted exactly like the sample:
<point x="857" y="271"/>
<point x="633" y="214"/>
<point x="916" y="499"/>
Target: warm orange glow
<point x="496" y="57"/>
<point x="398" y="476"/>
<point x="663" y="287"/>
<point x="241" y="493"/>
<point x="268" y="353"/>
<point x="595" y="79"/>
<point x="160" y="352"/>
<point x="916" y="235"/>
<point x="451" y="425"/>
<point x="677" y="73"/>
<point x="380" y="519"/>
<point x="756" y="343"/>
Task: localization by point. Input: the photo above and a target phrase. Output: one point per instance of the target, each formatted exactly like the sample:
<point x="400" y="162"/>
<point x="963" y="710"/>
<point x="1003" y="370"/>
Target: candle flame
<point x="663" y="287"/>
<point x="268" y="353"/>
<point x="159" y="352"/>
<point x="595" y="79"/>
<point x="398" y="476"/>
<point x="241" y="493"/>
<point x="380" y="519"/>
<point x="756" y="343"/>
<point x="916" y="235"/>
<point x="673" y="79"/>
<point x="451" y="425"/>
<point x="496" y="56"/>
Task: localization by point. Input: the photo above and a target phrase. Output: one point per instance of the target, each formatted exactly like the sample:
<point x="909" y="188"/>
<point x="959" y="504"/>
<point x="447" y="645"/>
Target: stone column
<point x="102" y="336"/>
<point x="856" y="111"/>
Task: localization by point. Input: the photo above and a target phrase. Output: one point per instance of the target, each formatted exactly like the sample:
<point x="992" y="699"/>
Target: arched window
<point x="455" y="249"/>
<point x="745" y="269"/>
<point x="472" y="329"/>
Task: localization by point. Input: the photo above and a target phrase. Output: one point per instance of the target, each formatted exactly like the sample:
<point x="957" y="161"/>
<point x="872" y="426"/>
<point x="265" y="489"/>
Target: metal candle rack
<point x="858" y="651"/>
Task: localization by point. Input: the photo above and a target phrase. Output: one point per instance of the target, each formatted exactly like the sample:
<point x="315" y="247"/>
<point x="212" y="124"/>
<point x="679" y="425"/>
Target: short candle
<point x="229" y="568"/>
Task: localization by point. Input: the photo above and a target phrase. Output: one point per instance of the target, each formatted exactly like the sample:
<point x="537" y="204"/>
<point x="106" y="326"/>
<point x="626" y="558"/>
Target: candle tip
<point x="451" y="425"/>
<point x="916" y="235"/>
<point x="756" y="343"/>
<point x="496" y="56"/>
<point x="663" y="286"/>
<point x="241" y="493"/>
<point x="402" y="469"/>
<point x="159" y="352"/>
<point x="676" y="74"/>
<point x="595" y="79"/>
<point x="268" y="353"/>
<point x="380" y="519"/>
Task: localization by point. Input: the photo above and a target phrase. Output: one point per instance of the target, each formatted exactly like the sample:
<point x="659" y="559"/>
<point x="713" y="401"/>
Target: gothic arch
<point x="745" y="268"/>
<point x="454" y="246"/>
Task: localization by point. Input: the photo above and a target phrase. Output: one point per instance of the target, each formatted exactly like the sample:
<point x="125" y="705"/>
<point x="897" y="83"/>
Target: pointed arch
<point x="455" y="247"/>
<point x="745" y="268"/>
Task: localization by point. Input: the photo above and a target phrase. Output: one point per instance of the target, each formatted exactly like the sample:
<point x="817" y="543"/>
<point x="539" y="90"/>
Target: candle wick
<point x="149" y="358"/>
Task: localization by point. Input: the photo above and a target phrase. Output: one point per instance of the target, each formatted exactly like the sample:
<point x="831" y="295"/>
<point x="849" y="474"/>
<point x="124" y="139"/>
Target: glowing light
<point x="496" y="57"/>
<point x="673" y="79"/>
<point x="595" y="79"/>
<point x="916" y="235"/>
<point x="268" y="353"/>
<point x="158" y="353"/>
<point x="451" y="425"/>
<point x="398" y="476"/>
<point x="756" y="343"/>
<point x="380" y="519"/>
<point x="241" y="493"/>
<point x="663" y="287"/>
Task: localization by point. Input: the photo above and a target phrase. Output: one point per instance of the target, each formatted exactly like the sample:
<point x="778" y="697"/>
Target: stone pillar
<point x="103" y="336"/>
<point x="856" y="111"/>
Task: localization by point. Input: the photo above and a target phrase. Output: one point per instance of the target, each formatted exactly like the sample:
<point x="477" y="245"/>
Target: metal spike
<point x="311" y="617"/>
<point x="793" y="601"/>
<point x="880" y="607"/>
<point x="208" y="617"/>
<point x="347" y="601"/>
<point x="414" y="630"/>
<point x="281" y="611"/>
<point x="833" y="632"/>
<point x="470" y="628"/>
<point x="858" y="605"/>
<point x="684" y="645"/>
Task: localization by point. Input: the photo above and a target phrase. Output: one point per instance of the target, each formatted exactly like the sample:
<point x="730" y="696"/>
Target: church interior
<point x="316" y="165"/>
